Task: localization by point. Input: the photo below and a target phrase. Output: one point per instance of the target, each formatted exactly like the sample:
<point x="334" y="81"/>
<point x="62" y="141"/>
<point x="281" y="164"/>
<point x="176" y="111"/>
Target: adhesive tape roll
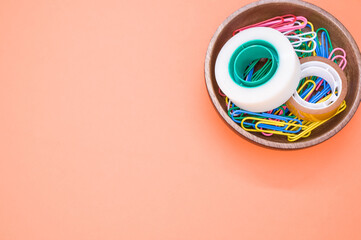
<point x="334" y="76"/>
<point x="268" y="92"/>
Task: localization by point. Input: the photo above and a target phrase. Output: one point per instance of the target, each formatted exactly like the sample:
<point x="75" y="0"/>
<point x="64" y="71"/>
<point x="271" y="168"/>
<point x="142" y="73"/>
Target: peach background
<point x="107" y="132"/>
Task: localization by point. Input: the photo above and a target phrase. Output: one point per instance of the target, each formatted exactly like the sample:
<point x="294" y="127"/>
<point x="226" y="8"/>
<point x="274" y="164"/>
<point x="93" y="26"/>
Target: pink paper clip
<point x="281" y="23"/>
<point x="291" y="24"/>
<point x="339" y="56"/>
<point x="266" y="23"/>
<point x="343" y="62"/>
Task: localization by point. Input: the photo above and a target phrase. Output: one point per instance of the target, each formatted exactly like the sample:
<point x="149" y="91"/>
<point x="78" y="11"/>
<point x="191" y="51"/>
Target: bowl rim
<point x="251" y="137"/>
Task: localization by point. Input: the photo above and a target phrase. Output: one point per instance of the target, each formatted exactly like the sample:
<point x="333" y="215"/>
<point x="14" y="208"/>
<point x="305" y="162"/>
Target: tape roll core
<point x="247" y="53"/>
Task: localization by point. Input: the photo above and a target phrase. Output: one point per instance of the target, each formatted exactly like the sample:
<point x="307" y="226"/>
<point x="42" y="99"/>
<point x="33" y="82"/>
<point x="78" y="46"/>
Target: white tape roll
<point x="274" y="92"/>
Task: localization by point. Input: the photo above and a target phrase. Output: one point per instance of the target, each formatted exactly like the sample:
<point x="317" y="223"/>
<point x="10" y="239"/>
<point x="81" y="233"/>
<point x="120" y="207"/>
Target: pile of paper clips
<point x="306" y="42"/>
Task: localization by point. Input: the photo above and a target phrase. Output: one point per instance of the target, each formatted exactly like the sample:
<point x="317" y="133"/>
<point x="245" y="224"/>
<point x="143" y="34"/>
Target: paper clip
<point x="238" y="116"/>
<point x="267" y="23"/>
<point x="343" y="61"/>
<point x="313" y="125"/>
<point x="302" y="38"/>
<point x="280" y="23"/>
<point x="292" y="27"/>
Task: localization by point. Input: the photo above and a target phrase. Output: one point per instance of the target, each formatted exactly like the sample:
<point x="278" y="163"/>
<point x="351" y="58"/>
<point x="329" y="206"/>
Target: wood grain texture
<point x="340" y="36"/>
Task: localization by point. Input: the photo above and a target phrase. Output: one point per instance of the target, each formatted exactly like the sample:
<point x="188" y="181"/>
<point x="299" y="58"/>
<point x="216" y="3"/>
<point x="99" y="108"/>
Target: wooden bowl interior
<point x="339" y="39"/>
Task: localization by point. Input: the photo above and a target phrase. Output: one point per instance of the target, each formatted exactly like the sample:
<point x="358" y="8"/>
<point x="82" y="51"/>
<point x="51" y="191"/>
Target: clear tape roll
<point x="334" y="76"/>
<point x="269" y="93"/>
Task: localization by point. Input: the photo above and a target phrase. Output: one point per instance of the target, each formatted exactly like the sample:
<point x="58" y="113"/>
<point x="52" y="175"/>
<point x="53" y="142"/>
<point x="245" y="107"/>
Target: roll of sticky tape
<point x="275" y="87"/>
<point x="334" y="76"/>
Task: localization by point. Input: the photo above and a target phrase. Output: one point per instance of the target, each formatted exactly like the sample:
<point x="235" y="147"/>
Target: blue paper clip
<point x="267" y="115"/>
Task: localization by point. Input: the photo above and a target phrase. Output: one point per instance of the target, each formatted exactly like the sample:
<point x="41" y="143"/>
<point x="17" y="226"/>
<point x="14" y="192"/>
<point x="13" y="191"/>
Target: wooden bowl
<point x="265" y="9"/>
